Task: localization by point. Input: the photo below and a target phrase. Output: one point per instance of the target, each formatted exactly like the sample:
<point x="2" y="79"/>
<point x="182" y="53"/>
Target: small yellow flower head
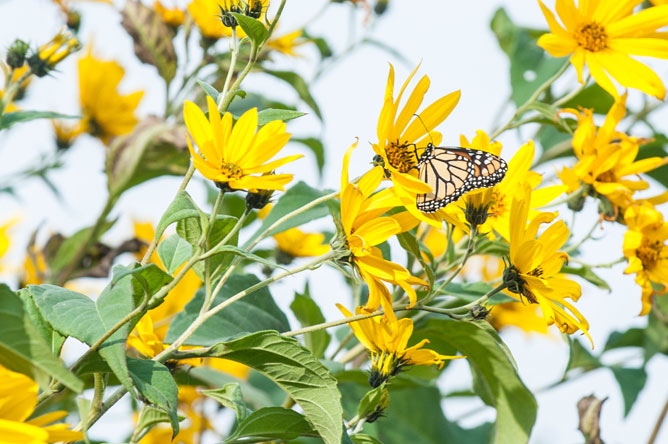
<point x="604" y="35"/>
<point x="646" y="250"/>
<point x="66" y="134"/>
<point x="51" y="53"/>
<point x="209" y="15"/>
<point x="296" y="243"/>
<point x="18" y="399"/>
<point x="363" y="227"/>
<point x="400" y="137"/>
<point x="287" y="43"/>
<point x="533" y="272"/>
<point x="107" y="113"/>
<point x="387" y="341"/>
<point x="173" y="17"/>
<point x="232" y="154"/>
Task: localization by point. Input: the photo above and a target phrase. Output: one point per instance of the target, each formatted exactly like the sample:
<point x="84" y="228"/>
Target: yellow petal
<point x="643" y="22"/>
<point x="370" y="181"/>
<point x="568" y="13"/>
<point x="557" y="45"/>
<point x="409" y="109"/>
<point x="610" y="12"/>
<point x="649" y="47"/>
<point x="578" y="61"/>
<point x="346" y="162"/>
<point x="599" y="75"/>
<point x="269" y="182"/>
<point x="242" y="136"/>
<point x="631" y="73"/>
<point x="431" y="117"/>
<point x="378" y="230"/>
<point x="13" y="432"/>
<point x="267" y="167"/>
<point x="18" y="395"/>
<point x="555" y="27"/>
<point x="200" y="130"/>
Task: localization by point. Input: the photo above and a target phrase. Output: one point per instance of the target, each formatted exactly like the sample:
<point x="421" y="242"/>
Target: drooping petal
<point x="631" y="73"/>
<point x="597" y="72"/>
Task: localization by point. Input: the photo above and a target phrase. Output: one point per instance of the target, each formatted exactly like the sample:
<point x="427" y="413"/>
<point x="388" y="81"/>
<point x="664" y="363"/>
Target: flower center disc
<point x="400" y="157"/>
<point x="649" y="253"/>
<point x="591" y="37"/>
<point x="232" y="171"/>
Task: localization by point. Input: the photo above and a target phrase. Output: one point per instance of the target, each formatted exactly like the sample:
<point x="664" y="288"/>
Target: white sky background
<point x="458" y="51"/>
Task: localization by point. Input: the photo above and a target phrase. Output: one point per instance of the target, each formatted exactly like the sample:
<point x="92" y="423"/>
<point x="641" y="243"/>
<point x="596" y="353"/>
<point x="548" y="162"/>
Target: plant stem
<point x="577" y="245"/>
<point x="182" y="187"/>
<point x="91" y="238"/>
<point x="234" y="51"/>
<point x="659" y="422"/>
<point x="534" y="97"/>
<point x="113" y="399"/>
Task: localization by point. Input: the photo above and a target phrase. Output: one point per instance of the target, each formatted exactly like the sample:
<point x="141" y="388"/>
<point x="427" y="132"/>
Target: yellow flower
<point x="232" y="155"/>
<point x="173" y="17"/>
<point x="287" y="43"/>
<point x="34" y="267"/>
<point x="524" y="316"/>
<point x="606" y="157"/>
<point x="4" y="237"/>
<point x="498" y="198"/>
<point x="364" y="227"/>
<point x="106" y="112"/>
<point x="387" y="342"/>
<point x="536" y="263"/>
<point x="145" y="340"/>
<point x="399" y="142"/>
<point x="646" y="250"/>
<point x="16" y="75"/>
<point x="296" y="243"/>
<point x="207" y="16"/>
<point x="18" y="399"/>
<point x="66" y="134"/>
<point x="604" y="34"/>
<point x="53" y="52"/>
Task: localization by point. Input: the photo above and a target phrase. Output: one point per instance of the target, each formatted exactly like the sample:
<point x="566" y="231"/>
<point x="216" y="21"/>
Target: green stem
<point x="137" y="431"/>
<point x="577" y="245"/>
<point x="113" y="399"/>
<point x="659" y="422"/>
<point x="182" y="187"/>
<point x="92" y="237"/>
<point x="205" y="316"/>
<point x="11" y="89"/>
<point x="604" y="265"/>
<point x="234" y="51"/>
<point x="571" y="94"/>
<point x="272" y="25"/>
<point x="534" y="97"/>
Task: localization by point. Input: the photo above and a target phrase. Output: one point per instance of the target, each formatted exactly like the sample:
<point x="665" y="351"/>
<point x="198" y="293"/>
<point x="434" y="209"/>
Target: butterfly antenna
<point x="425" y="127"/>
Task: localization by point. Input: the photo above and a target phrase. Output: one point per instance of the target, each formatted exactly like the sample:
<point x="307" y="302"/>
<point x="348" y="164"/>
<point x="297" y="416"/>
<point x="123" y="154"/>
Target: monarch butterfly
<point x="452" y="171"/>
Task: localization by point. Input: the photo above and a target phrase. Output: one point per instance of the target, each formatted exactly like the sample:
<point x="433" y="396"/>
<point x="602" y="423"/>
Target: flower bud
<point x="16" y="55"/>
<point x="51" y="53"/>
<point x="258" y="200"/>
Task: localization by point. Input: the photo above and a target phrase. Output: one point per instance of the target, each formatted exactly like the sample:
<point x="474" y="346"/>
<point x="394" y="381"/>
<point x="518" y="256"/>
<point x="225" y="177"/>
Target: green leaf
<point x="587" y="274"/>
<point x="191" y="230"/>
<point x="580" y="357"/>
<point x="361" y="438"/>
<point x="515" y="405"/>
<point x="293" y="199"/>
<point x="269" y="115"/>
<point x="308" y="313"/>
<point x="657" y="148"/>
<point x="470" y="292"/>
<point x="250" y="256"/>
<point x="255" y="312"/>
<point x="70" y="246"/>
<point x="83" y="408"/>
<point x="631" y="381"/>
<point x="230" y="396"/>
<point x="254" y="29"/>
<point x="530" y="66"/>
<point x="151" y="416"/>
<point x="297" y="372"/>
<point x="22" y="348"/>
<point x="54" y="339"/>
<point x="633" y="337"/>
<point x="300" y="86"/>
<point x="173" y="252"/>
<point x="271" y="423"/>
<point x="410" y="243"/>
<point x="593" y="97"/>
<point x="182" y="207"/>
<point x="9" y="119"/>
<point x="76" y="315"/>
<point x="656" y="333"/>
<point x="209" y="89"/>
<point x="317" y="147"/>
<point x="157" y="386"/>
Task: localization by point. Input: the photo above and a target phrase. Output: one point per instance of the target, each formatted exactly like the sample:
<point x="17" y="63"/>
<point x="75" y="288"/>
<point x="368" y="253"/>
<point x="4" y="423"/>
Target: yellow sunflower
<point x="18" y="399"/>
<point x="604" y="35"/>
<point x="535" y="264"/>
<point x="387" y="343"/>
<point x="232" y="155"/>
<point x="207" y="15"/>
<point x="296" y="243"/>
<point x="107" y="113"/>
<point x="172" y="16"/>
<point x="401" y="136"/>
<point x="4" y="237"/>
<point x="646" y="250"/>
<point x="287" y="43"/>
<point x="364" y="228"/>
<point x="497" y="199"/>
<point x="607" y="156"/>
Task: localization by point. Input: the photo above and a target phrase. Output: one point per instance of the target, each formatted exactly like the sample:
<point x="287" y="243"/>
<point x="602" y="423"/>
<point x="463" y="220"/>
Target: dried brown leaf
<point x="589" y="411"/>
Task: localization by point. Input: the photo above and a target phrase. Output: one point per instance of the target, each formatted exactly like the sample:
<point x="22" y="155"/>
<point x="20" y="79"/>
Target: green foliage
<point x="156" y="386"/>
<point x="182" y="207"/>
<point x="470" y="292"/>
<point x="587" y="274"/>
<point x="209" y="89"/>
<point x="308" y="313"/>
<point x="271" y="423"/>
<point x="22" y="348"/>
<point x="173" y="252"/>
<point x="269" y="115"/>
<point x="8" y="120"/>
<point x="515" y="405"/>
<point x="50" y="336"/>
<point x="316" y="146"/>
<point x="254" y="29"/>
<point x="230" y="396"/>
<point x="297" y="372"/>
<point x="593" y="97"/>
<point x="658" y="147"/>
<point x="300" y="86"/>
<point x="68" y="249"/>
<point x="631" y="381"/>
<point x="255" y="312"/>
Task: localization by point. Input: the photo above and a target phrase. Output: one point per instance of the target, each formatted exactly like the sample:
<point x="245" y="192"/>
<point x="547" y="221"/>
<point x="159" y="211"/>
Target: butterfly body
<point x="452" y="171"/>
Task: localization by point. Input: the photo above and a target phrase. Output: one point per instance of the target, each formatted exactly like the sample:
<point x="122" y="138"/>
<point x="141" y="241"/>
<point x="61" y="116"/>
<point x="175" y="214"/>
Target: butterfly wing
<point x="451" y="172"/>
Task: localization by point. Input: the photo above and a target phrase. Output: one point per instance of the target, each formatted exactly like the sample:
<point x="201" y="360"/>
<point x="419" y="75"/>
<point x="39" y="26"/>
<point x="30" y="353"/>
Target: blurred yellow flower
<point x="65" y="134"/>
<point x="364" y="227"/>
<point x="604" y="34"/>
<point x="207" y="16"/>
<point x="34" y="267"/>
<point x="287" y="43"/>
<point x="517" y="314"/>
<point x="18" y="399"/>
<point x="387" y="343"/>
<point x="606" y="157"/>
<point x="296" y="243"/>
<point x="646" y="250"/>
<point x="399" y="142"/>
<point x="498" y="198"/>
<point x="53" y="52"/>
<point x="172" y="16"/>
<point x="107" y="113"/>
<point x="233" y="154"/>
<point x="4" y="237"/>
<point x="534" y="268"/>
